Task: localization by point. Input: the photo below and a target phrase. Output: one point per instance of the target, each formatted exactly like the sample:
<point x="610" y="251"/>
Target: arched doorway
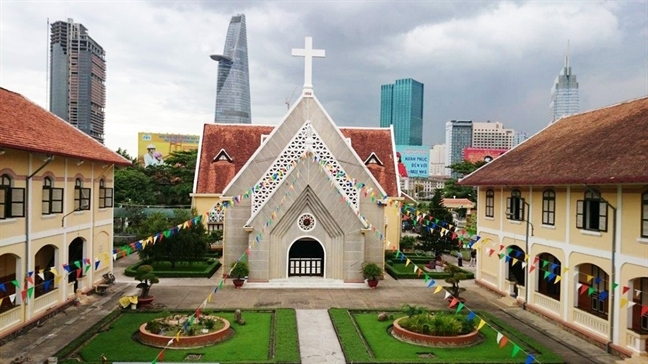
<point x="8" y="268"/>
<point x="75" y="261"/>
<point x="514" y="260"/>
<point x="548" y="270"/>
<point x="45" y="260"/>
<point x="306" y="259"/>
<point x="593" y="295"/>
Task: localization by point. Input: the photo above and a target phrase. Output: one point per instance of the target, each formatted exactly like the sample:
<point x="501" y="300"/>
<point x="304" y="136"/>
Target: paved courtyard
<point x="43" y="341"/>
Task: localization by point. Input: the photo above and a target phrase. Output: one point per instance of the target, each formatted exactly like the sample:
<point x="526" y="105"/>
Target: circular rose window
<point x="306" y="222"/>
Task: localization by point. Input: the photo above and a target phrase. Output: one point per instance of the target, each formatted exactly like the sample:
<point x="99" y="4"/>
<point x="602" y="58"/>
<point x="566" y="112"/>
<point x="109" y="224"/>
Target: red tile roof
<point x="240" y="141"/>
<point x="603" y="146"/>
<point x="27" y="126"/>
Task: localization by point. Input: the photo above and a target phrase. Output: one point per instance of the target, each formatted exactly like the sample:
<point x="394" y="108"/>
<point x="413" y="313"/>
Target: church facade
<point x="303" y="198"/>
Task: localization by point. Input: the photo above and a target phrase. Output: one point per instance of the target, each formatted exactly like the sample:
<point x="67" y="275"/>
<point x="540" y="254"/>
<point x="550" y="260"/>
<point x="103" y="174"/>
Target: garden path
<point x="318" y="341"/>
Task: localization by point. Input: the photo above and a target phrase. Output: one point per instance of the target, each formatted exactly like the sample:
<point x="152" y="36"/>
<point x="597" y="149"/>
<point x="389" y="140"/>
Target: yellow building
<point x="56" y="199"/>
<point x="563" y="220"/>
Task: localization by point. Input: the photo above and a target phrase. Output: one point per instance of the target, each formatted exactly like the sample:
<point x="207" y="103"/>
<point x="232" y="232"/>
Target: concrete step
<point x="305" y="282"/>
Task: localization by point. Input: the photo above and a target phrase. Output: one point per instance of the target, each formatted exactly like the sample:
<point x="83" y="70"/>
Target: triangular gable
<point x="373" y="159"/>
<point x="222" y="156"/>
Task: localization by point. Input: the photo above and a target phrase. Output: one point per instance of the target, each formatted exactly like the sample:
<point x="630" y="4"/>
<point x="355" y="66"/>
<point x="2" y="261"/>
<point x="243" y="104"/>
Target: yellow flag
<point x="209" y="298"/>
<point x="589" y="278"/>
<point x="526" y="257"/>
<point x="557" y="279"/>
<point x="481" y="324"/>
<point x="438" y="289"/>
<point x="2" y="298"/>
<point x="565" y="269"/>
<point x="624" y="301"/>
<point x="515" y="261"/>
<point x="57" y="279"/>
<point x="408" y="262"/>
<point x="53" y="270"/>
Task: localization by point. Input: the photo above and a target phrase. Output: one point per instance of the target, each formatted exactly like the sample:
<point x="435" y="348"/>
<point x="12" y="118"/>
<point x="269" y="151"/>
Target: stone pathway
<point x="320" y="345"/>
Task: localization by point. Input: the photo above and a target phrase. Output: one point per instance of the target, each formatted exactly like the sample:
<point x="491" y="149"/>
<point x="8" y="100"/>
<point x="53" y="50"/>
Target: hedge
<point x="209" y="270"/>
<point x="399" y="274"/>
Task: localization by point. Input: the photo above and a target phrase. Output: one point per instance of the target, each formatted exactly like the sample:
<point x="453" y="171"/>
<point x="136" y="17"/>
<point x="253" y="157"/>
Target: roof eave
<point x="124" y="163"/>
<point x="556" y="182"/>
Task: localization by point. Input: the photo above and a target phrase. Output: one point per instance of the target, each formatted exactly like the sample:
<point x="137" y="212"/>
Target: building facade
<point x="437" y="160"/>
<point x="56" y="217"/>
<point x="458" y="138"/>
<point x="564" y="225"/>
<point x="564" y="94"/>
<point x="233" y="84"/>
<point x="491" y="136"/>
<point x="77" y="78"/>
<point x="401" y="105"/>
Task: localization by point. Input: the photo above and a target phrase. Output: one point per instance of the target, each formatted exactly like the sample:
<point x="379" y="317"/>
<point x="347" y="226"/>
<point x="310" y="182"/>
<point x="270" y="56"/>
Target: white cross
<point x="308" y="53"/>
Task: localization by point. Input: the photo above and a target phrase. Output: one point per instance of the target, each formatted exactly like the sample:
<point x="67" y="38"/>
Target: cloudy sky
<point x="478" y="60"/>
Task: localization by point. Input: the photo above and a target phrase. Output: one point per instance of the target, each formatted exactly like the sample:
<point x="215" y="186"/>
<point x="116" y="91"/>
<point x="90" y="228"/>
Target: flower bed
<point x="195" y="341"/>
<point x="435" y="341"/>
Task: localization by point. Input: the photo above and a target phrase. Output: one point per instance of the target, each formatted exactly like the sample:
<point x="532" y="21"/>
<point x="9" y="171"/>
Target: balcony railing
<point x="598" y="325"/>
<point x="547" y="303"/>
<point x="70" y="290"/>
<point x="521" y="292"/>
<point x="9" y="318"/>
<point x="635" y="341"/>
<point x="46" y="301"/>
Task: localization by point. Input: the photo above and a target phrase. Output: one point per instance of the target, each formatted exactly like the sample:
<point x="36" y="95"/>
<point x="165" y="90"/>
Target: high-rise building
<point x="77" y="78"/>
<point x="564" y="94"/>
<point x="492" y="135"/>
<point x="233" y="84"/>
<point x="437" y="160"/>
<point x="458" y="137"/>
<point x="401" y="105"/>
<point x="519" y="137"/>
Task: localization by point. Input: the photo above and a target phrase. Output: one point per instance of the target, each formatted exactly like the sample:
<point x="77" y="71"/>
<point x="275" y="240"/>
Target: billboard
<point x="153" y="148"/>
<point x="415" y="159"/>
<point x="482" y="154"/>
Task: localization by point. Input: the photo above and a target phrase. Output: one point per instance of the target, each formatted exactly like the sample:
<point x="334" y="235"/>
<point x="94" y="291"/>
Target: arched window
<point x="12" y="199"/>
<point x="591" y="212"/>
<point x="548" y="207"/>
<point x="52" y="198"/>
<point x="105" y="195"/>
<point x="515" y="206"/>
<point x="490" y="203"/>
<point x="644" y="215"/>
<point x="81" y="196"/>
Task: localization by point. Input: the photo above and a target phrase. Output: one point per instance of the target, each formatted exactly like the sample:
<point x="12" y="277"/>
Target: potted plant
<point x="239" y="271"/>
<point x="407" y="243"/>
<point x="371" y="272"/>
<point x="147" y="278"/>
<point x="456" y="275"/>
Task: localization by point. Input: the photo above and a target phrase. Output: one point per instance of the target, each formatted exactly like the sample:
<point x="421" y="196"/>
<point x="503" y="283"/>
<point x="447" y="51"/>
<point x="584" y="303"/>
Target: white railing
<point x="83" y="282"/>
<point x="635" y="341"/>
<point x="70" y="290"/>
<point x="488" y="278"/>
<point x="521" y="293"/>
<point x="547" y="303"/>
<point x="45" y="301"/>
<point x="598" y="325"/>
<point x="9" y="318"/>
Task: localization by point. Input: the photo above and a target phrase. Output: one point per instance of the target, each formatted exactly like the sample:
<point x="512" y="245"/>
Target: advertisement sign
<point x="152" y="148"/>
<point x="415" y="159"/>
<point x="482" y="154"/>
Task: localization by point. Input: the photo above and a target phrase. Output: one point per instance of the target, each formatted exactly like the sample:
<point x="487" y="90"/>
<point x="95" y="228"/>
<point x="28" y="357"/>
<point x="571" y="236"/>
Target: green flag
<point x="516" y="349"/>
<point x="547" y="273"/>
<point x="590" y="291"/>
<point x="86" y="268"/>
<point x="78" y="264"/>
<point x="30" y="292"/>
<point x="544" y="263"/>
<point x="16" y="283"/>
<point x="220" y="285"/>
<point x="460" y="306"/>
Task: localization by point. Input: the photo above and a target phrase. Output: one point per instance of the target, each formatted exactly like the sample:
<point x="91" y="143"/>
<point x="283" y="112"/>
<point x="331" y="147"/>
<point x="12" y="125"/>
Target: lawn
<point x="374" y="344"/>
<point x="264" y="334"/>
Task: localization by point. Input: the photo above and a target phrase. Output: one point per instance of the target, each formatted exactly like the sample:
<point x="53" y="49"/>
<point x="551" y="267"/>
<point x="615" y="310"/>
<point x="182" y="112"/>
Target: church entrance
<point x="306" y="259"/>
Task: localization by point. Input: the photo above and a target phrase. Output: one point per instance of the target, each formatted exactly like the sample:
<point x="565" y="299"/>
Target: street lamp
<point x="526" y="249"/>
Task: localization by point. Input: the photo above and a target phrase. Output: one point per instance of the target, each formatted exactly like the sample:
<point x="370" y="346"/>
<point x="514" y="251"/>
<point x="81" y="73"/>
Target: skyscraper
<point x="492" y="135"/>
<point x="77" y="78"/>
<point x="401" y="104"/>
<point x="564" y="94"/>
<point x="458" y="137"/>
<point x="233" y="85"/>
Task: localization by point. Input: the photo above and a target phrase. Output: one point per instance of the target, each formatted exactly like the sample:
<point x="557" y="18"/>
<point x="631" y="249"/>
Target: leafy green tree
<point x="430" y="231"/>
<point x="125" y="154"/>
<point x="465" y="167"/>
<point x="452" y="190"/>
<point x="174" y="179"/>
<point x="133" y="186"/>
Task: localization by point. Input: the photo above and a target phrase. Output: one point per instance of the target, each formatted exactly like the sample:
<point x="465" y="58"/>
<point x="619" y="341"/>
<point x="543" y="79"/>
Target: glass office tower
<point x="401" y="105"/>
<point x="77" y="78"/>
<point x="564" y="94"/>
<point x="459" y="135"/>
<point x="233" y="85"/>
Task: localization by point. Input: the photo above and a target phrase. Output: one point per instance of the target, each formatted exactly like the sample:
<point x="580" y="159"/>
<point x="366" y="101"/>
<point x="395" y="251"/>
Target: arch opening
<point x="306" y="258"/>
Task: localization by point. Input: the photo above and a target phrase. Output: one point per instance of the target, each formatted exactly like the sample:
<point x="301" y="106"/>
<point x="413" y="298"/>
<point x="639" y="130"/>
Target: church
<point x="304" y="198"/>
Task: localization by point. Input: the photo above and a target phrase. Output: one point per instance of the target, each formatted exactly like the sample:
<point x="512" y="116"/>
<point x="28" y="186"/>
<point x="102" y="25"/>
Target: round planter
<point x="458" y="341"/>
<point x="142" y="302"/>
<point x="238" y="283"/>
<point x="372" y="283"/>
<point x="186" y="342"/>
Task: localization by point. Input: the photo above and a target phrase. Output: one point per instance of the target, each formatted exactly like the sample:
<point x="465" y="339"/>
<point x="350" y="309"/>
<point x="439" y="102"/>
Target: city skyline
<point x="564" y="94"/>
<point x="401" y="105"/>
<point x="487" y="60"/>
<point x="233" y="81"/>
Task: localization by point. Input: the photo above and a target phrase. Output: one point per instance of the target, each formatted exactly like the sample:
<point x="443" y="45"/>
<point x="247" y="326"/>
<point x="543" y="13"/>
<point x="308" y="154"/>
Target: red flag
<point x="23" y="294"/>
<point x="644" y="310"/>
<point x="198" y="313"/>
<point x="160" y="356"/>
<point x="78" y="273"/>
<point x="532" y="267"/>
<point x="536" y="259"/>
<point x="625" y="289"/>
<point x="584" y="288"/>
<point x="30" y="280"/>
<point x="501" y="247"/>
<point x="454" y="302"/>
<point x="503" y="342"/>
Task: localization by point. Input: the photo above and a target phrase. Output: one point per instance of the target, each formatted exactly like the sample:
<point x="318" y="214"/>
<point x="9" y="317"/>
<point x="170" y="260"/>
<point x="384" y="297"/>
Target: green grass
<point x="250" y="343"/>
<point x="285" y="336"/>
<point x="201" y="268"/>
<point x="387" y="349"/>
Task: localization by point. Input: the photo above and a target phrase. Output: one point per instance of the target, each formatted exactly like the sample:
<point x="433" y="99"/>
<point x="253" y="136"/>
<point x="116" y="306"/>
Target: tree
<point x="452" y="190"/>
<point x="125" y="154"/>
<point x="465" y="167"/>
<point x="173" y="180"/>
<point x="430" y="230"/>
<point x="133" y="186"/>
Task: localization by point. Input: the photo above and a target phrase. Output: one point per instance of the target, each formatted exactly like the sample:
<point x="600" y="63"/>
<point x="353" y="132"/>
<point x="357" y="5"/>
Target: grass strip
<point x="86" y="335"/>
<point x="352" y="344"/>
<point x="286" y="347"/>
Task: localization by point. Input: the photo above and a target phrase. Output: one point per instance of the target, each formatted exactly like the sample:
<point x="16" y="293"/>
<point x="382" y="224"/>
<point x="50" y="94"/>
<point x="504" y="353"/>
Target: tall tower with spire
<point x="233" y="85"/>
<point x="564" y="93"/>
